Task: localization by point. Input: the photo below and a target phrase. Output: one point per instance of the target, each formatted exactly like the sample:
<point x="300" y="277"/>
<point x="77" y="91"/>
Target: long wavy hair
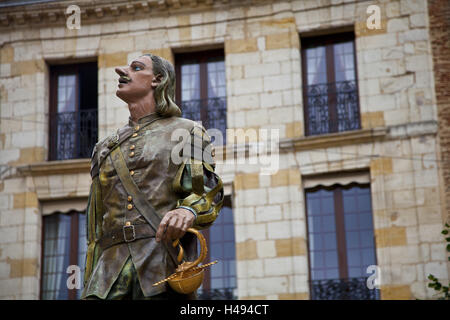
<point x="165" y="91"/>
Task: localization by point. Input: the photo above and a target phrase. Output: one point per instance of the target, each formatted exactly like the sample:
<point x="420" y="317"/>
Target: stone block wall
<point x="262" y="50"/>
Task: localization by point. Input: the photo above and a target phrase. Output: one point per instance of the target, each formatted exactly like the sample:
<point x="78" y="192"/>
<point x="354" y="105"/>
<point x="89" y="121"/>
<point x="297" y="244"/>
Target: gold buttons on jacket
<point x="137" y="128"/>
<point x="131" y="154"/>
<point x="128" y="223"/>
<point x="130" y="198"/>
<point x="129" y="206"/>
<point x="132" y="147"/>
<point x="134" y="135"/>
<point x="132" y="172"/>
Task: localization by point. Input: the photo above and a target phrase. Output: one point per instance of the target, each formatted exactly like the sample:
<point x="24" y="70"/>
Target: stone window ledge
<point x="56" y="167"/>
<point x="333" y="139"/>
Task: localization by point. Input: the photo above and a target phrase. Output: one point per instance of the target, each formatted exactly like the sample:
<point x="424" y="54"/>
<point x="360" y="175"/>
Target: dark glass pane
<point x="352" y="238"/>
<point x="203" y="97"/>
<point x="216" y="251"/>
<point x="331" y="97"/>
<point x="353" y="258"/>
<point x="232" y="266"/>
<point x="229" y="250"/>
<point x="331" y="273"/>
<point x="227" y="214"/>
<point x="217" y="283"/>
<point x="190" y="82"/>
<point x="56" y="256"/>
<point x="366" y="239"/>
<point x="217" y="235"/>
<point x="67" y="93"/>
<point x="368" y="257"/>
<point x="328" y="205"/>
<point x="82" y="248"/>
<point x="331" y="259"/>
<point x="316" y="65"/>
<point x="317" y="225"/>
<point x="321" y="233"/>
<point x="229" y="232"/>
<point x="317" y="259"/>
<point x="317" y="274"/>
<point x="67" y="105"/>
<point x="328" y="223"/>
<point x="344" y="61"/>
<point x="330" y="241"/>
<point x="354" y="272"/>
<point x="359" y="230"/>
<point x="217" y="270"/>
<point x="216" y="79"/>
<point x="365" y="221"/>
<point x="349" y="203"/>
<point x="222" y="276"/>
<point x="73" y="117"/>
<point x="364" y="203"/>
<point x="313" y="207"/>
<point x="316" y="241"/>
<point x="351" y="221"/>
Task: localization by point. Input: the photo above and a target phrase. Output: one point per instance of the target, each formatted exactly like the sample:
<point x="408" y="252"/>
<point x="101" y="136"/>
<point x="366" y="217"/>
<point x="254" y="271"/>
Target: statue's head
<point x="146" y="74"/>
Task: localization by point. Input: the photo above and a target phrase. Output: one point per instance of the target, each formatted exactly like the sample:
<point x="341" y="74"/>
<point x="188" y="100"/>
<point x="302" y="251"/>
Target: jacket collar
<point x="144" y="120"/>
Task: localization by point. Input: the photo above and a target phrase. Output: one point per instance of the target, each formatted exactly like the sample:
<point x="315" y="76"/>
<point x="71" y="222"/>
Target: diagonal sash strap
<point x="116" y="143"/>
<point x="141" y="203"/>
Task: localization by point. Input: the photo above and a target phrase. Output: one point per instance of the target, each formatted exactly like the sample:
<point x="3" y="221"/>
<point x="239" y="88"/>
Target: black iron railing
<point x="342" y="289"/>
<point x="217" y="294"/>
<point x="332" y="107"/>
<point x="73" y="134"/>
<point x="211" y="112"/>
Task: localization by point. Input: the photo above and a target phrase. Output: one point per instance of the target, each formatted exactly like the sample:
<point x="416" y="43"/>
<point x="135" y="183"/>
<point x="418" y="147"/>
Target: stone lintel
<point x="56" y="167"/>
<point x="333" y="139"/>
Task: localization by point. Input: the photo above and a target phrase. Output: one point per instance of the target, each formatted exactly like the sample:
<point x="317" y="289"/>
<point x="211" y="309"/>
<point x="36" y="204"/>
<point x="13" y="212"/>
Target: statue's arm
<point x="201" y="187"/>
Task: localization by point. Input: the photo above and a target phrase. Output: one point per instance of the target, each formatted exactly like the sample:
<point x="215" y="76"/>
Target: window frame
<point x="73" y="255"/>
<point x="56" y="70"/>
<point x="341" y="245"/>
<point x="327" y="41"/>
<point x="227" y="202"/>
<point x="201" y="58"/>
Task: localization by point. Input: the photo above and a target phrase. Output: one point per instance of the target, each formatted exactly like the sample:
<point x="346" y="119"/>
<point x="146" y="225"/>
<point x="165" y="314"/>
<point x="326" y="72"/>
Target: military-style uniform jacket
<point x="167" y="185"/>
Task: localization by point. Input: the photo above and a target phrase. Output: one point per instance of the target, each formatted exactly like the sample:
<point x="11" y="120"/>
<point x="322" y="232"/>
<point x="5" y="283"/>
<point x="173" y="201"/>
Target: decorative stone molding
<point x="55" y="167"/>
<point x="333" y="139"/>
<point x="404" y="131"/>
<point x="52" y="13"/>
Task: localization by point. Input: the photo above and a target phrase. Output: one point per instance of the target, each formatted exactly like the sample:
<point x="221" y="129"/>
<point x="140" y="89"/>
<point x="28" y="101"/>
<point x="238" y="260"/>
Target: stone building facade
<point x="394" y="149"/>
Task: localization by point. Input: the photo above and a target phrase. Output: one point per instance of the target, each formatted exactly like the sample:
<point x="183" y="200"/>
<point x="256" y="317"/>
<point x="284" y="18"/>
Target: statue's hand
<point x="174" y="224"/>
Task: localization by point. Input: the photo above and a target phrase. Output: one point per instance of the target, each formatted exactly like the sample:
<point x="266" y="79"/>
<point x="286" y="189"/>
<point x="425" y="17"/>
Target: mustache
<point x="124" y="78"/>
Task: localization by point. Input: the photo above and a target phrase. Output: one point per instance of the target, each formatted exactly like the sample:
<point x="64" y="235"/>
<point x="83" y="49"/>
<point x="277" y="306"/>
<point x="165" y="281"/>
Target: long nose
<point x="120" y="71"/>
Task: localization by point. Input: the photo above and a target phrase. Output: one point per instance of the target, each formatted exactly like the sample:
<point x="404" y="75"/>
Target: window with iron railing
<point x="73" y="111"/>
<point x="330" y="89"/>
<point x="341" y="242"/>
<point x="201" y="89"/>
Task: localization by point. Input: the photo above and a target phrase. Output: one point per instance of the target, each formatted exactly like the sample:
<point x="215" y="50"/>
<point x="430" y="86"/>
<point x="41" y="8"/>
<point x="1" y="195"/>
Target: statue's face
<point x="136" y="80"/>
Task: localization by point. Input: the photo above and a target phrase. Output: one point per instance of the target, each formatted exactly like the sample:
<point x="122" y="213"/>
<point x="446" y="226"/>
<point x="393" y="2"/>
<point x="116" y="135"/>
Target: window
<point x="330" y="91"/>
<point x="201" y="89"/>
<point x="73" y="111"/>
<point x="64" y="244"/>
<point x="220" y="278"/>
<point x="341" y="241"/>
